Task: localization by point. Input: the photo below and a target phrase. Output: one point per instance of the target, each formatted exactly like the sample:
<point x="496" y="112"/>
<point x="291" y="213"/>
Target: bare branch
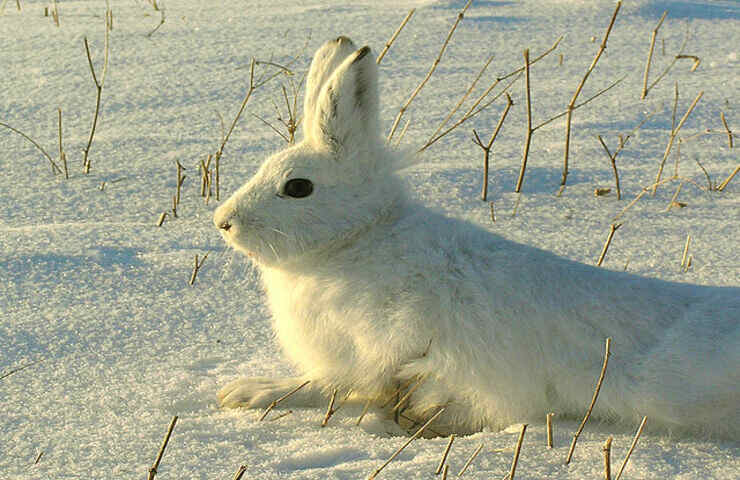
<point x="516" y="452"/>
<point x="99" y="91"/>
<point x="653" y="37"/>
<point x="54" y="166"/>
<point x="722" y="185"/>
<point x="475" y="109"/>
<point x="444" y="455"/>
<point x="632" y="447"/>
<point x="607" y="460"/>
<point x="672" y="138"/>
<point x="571" y="105"/>
<point x="153" y="469"/>
<point x="275" y="403"/>
<point x="528" y="137"/>
<point x="470" y="460"/>
<point x="464" y="97"/>
<point x="487" y="148"/>
<point x="593" y="402"/>
<point x="413" y="437"/>
<point x="727" y="129"/>
<point x="393" y="37"/>
<point x="405" y="106"/>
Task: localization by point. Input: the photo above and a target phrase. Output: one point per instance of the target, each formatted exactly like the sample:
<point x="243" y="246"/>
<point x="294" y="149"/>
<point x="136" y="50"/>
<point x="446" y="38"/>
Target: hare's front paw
<point x="260" y="392"/>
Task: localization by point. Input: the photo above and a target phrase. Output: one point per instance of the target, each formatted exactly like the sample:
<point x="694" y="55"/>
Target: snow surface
<point x="95" y="298"/>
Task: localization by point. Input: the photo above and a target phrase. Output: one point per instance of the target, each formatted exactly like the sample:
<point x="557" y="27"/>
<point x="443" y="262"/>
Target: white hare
<point x="370" y="290"/>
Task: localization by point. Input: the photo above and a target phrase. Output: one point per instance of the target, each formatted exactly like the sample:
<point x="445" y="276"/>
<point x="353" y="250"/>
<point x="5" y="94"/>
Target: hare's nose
<point x="223" y="218"/>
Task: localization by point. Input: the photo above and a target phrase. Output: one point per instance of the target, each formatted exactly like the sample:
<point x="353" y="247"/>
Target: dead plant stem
<point x="593" y="402"/>
<point x="444" y="455"/>
<point x="405" y="106"/>
<point x="153" y="469"/>
<point x="99" y="91"/>
<point x="470" y="460"/>
<point x="674" y="134"/>
<point x="528" y="136"/>
<point x="571" y="105"/>
<point x="55" y="168"/>
<point x="517" y="451"/>
<point x="487" y="148"/>
<point x="275" y="403"/>
<point x="632" y="447"/>
<point x="389" y="43"/>
<point x="408" y="442"/>
<point x="653" y="37"/>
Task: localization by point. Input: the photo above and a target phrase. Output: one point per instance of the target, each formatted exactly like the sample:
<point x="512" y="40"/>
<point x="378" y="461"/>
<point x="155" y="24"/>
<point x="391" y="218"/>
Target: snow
<point x="95" y="298"/>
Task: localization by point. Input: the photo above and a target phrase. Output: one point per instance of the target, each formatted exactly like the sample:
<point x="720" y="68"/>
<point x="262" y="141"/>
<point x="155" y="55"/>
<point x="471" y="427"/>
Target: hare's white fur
<point x="369" y="290"/>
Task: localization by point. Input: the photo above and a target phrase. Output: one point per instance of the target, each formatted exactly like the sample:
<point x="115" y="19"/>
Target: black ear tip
<point x="361" y="53"/>
<point x="342" y="38"/>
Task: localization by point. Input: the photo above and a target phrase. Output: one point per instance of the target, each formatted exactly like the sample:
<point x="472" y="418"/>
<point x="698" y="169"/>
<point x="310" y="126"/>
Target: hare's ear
<point x="346" y="116"/>
<point x="325" y="61"/>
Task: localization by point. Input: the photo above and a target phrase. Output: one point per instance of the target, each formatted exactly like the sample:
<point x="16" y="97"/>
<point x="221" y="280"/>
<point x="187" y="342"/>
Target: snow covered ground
<point x="102" y="339"/>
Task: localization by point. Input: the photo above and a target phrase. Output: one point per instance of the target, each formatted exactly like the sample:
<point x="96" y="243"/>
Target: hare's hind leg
<point x="259" y="392"/>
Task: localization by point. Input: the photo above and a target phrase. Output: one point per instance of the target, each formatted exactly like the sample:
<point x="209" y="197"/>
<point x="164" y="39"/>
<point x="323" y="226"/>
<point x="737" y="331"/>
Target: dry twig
<point x="727" y="129"/>
<point x="593" y="402"/>
<point x="330" y="409"/>
<point x="161" y="219"/>
<point x="612" y="228"/>
<point x="180" y="180"/>
<point x="275" y="403"/>
<point x="470" y="460"/>
<point x="684" y="263"/>
<point x="572" y="103"/>
<point x="405" y="106"/>
<point x="607" y="459"/>
<point x="161" y="22"/>
<point x="393" y="37"/>
<point x="531" y="129"/>
<point x="98" y="88"/>
<point x="476" y="108"/>
<point x="528" y="137"/>
<point x="19" y="369"/>
<point x="62" y="155"/>
<point x="364" y="412"/>
<point x="444" y="455"/>
<point x="677" y="57"/>
<point x="55" y="12"/>
<point x="722" y="185"/>
<point x="408" y="442"/>
<point x="153" y="469"/>
<point x="240" y="472"/>
<point x="674" y="133"/>
<point x="254" y="84"/>
<point x="196" y="268"/>
<point x="517" y="451"/>
<point x="278" y="417"/>
<point x="487" y="148"/>
<point x="623" y="139"/>
<point x="548" y="424"/>
<point x="55" y="168"/>
<point x="632" y="447"/>
<point x="408" y="394"/>
<point x="465" y="96"/>
<point x="653" y="37"/>
<point x="674" y="202"/>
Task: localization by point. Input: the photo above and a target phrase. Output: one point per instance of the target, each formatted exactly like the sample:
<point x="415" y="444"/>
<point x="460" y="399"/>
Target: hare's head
<point x="336" y="182"/>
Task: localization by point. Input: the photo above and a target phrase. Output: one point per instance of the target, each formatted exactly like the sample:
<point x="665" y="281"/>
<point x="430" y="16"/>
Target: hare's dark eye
<point x="298" y="187"/>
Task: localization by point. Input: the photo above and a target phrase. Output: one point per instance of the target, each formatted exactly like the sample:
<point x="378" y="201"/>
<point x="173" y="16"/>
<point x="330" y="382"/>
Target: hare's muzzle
<point x="222" y="218"/>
